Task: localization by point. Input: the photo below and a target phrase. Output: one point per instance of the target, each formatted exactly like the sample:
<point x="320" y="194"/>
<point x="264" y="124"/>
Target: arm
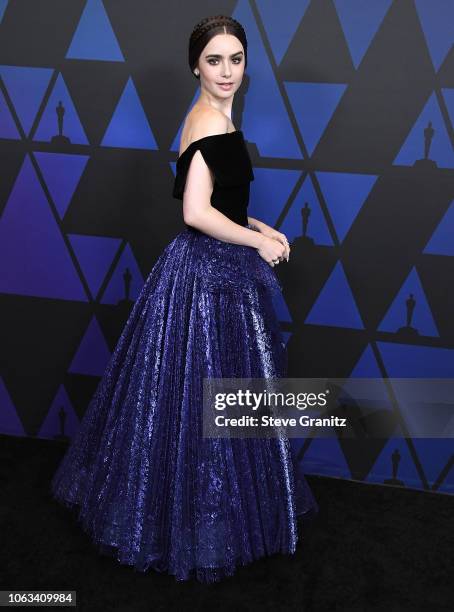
<point x="211" y="221"/>
<point x="255" y="223"/>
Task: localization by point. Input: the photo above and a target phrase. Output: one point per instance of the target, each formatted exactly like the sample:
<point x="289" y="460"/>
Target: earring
<point x="196" y="72"/>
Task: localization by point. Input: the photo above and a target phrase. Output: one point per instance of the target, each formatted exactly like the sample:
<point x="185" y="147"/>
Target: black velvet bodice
<point x="228" y="158"/>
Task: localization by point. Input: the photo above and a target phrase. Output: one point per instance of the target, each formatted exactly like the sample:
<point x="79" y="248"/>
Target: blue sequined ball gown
<point x="146" y="485"/>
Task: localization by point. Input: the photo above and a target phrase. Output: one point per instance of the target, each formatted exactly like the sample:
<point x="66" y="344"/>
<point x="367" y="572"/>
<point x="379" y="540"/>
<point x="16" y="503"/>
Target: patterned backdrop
<point x="348" y="112"/>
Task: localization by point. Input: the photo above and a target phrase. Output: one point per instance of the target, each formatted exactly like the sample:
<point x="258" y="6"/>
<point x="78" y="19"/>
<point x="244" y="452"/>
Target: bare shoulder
<point x="204" y="122"/>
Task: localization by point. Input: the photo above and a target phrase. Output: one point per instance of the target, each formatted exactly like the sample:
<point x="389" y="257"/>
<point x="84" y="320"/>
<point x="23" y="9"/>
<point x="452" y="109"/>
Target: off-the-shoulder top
<point x="228" y="158"/>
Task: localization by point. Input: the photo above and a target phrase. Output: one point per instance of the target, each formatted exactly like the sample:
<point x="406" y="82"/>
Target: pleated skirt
<point x="145" y="484"/>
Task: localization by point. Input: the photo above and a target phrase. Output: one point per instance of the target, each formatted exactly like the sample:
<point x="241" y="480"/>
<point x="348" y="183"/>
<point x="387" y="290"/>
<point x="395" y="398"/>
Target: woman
<point x="150" y="489"/>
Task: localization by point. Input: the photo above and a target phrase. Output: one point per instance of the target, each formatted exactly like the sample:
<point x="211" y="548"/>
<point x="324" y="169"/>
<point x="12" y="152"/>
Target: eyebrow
<point x="217" y="54"/>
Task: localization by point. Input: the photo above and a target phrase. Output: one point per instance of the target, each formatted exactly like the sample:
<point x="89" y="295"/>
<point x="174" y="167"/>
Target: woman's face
<point x="222" y="61"/>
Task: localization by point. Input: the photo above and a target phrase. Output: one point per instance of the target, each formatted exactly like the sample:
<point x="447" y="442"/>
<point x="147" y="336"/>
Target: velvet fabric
<point x="228" y="158"/>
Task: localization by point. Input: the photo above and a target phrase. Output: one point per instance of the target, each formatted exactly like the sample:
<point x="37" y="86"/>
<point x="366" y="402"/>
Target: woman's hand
<point x="270" y="232"/>
<point x="272" y="250"/>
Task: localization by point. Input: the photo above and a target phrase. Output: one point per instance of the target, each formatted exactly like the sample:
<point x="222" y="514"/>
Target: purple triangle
<point x="335" y="304"/>
<point x="3" y="5"/>
<point x="416" y="361"/>
<point x="281" y="25"/>
<point x="53" y="425"/>
<point x="115" y="291"/>
<point x="441" y="151"/>
<point x="281" y="308"/>
<point x="274" y="187"/>
<point x="34" y="259"/>
<point x="436" y="19"/>
<point x="95" y="255"/>
<point x="360" y="22"/>
<point x="325" y="456"/>
<point x="129" y="127"/>
<point x="8" y="128"/>
<point x="93" y="353"/>
<point x="278" y="139"/>
<point x="61" y="173"/>
<point x="345" y="195"/>
<point x="396" y="316"/>
<point x="48" y="125"/>
<point x="317" y="228"/>
<point x="366" y="366"/>
<point x="26" y="87"/>
<point x="10" y="423"/>
<point x="94" y="38"/>
<point x="441" y="242"/>
<point x="314" y="105"/>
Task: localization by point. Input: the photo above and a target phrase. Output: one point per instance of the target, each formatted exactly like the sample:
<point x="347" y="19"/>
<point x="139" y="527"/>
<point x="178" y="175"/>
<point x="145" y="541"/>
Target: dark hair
<point x="209" y="27"/>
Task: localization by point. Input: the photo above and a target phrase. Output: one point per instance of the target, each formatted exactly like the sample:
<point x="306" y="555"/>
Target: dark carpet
<point x="370" y="548"/>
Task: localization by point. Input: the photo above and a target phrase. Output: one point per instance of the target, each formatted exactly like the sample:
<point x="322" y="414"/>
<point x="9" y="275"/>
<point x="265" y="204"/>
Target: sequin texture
<point x="147" y="486"/>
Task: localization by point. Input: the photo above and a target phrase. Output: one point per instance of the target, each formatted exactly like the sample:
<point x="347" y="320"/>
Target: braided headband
<point x="212" y="22"/>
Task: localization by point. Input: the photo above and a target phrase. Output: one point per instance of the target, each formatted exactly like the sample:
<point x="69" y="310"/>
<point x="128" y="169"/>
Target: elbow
<point x="188" y="211"/>
<point x="188" y="214"/>
<point x="189" y="218"/>
<point x="192" y="216"/>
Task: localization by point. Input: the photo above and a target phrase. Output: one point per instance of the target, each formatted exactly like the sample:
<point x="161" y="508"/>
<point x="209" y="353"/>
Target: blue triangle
<point x="314" y="105"/>
<point x="3" y="5"/>
<point x="34" y="259"/>
<point x="448" y="95"/>
<point x="369" y="392"/>
<point x="26" y="88"/>
<point x="422" y="316"/>
<point x="129" y="127"/>
<point x="426" y="408"/>
<point x="285" y="336"/>
<point x="317" y="228"/>
<point x="412" y="361"/>
<point x="435" y="453"/>
<point x="366" y="366"/>
<point x="94" y="38"/>
<point x="325" y="456"/>
<point x="360" y="21"/>
<point x="95" y="255"/>
<point x="176" y="141"/>
<point x="270" y="191"/>
<point x="8" y="128"/>
<point x="61" y="173"/>
<point x="281" y="25"/>
<point x="441" y="242"/>
<point x="413" y="147"/>
<point x="72" y="127"/>
<point x="281" y="308"/>
<point x="335" y="304"/>
<point x="437" y="19"/>
<point x="345" y="195"/>
<point x="265" y="117"/>
<point x="115" y="291"/>
<point x="93" y="354"/>
<point x="372" y="400"/>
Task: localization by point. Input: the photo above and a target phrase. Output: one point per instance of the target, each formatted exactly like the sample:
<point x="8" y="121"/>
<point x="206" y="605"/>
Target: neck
<point x="224" y="106"/>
